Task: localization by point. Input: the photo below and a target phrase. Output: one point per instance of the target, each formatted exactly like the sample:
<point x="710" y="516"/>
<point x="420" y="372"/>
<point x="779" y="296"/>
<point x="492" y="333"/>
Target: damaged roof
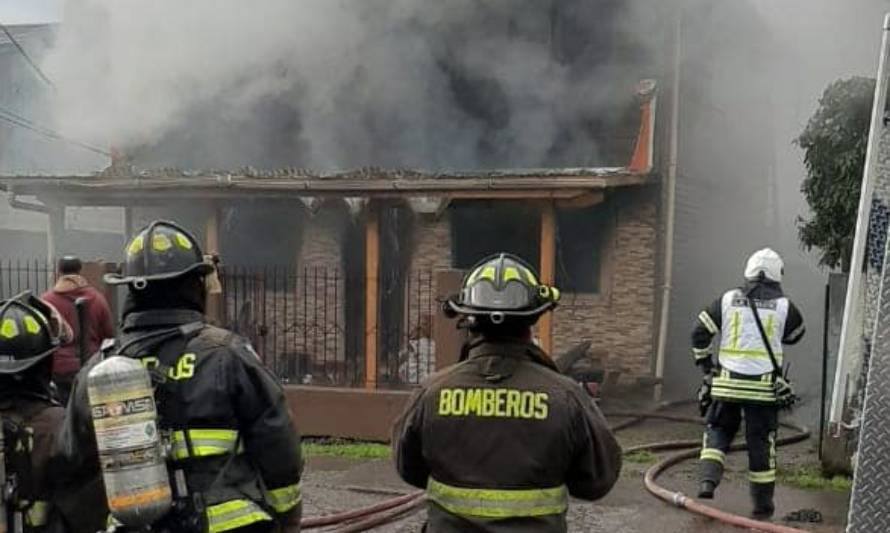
<point x="121" y="184"/>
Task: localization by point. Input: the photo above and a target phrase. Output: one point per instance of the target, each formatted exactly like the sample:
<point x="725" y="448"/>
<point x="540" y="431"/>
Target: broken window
<point x="580" y="240"/>
<point x="484" y="227"/>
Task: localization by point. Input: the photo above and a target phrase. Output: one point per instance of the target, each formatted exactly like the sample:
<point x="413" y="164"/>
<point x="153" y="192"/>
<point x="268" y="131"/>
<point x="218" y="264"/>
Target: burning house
<point x="336" y="274"/>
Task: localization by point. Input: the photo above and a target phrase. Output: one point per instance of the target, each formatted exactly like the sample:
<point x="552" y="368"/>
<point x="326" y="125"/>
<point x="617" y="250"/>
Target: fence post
<point x="372" y="277"/>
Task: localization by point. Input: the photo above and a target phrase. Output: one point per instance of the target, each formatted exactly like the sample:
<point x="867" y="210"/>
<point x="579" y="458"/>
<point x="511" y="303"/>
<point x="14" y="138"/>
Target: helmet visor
<point x="484" y="295"/>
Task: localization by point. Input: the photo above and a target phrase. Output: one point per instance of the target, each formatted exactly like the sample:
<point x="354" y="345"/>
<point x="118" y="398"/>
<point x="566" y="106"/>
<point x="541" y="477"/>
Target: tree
<point x="834" y="142"/>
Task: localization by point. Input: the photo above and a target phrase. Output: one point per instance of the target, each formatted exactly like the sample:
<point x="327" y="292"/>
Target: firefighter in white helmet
<point x="747" y="379"/>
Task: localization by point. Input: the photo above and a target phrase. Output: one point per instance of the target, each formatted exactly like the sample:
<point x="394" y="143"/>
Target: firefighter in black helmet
<point x="233" y="451"/>
<point x="30" y="413"/>
<point x="500" y="440"/>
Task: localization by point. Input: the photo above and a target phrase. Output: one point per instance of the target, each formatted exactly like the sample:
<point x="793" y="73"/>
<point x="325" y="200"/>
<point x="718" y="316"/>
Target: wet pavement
<point x="337" y="484"/>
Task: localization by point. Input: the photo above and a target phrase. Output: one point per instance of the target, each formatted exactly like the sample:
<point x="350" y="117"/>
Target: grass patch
<point x="811" y="478"/>
<point x="643" y="457"/>
<point x="346" y="448"/>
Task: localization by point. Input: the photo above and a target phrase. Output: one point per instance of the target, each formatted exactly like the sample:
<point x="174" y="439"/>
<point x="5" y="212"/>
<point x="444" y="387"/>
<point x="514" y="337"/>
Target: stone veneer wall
<point x="620" y="321"/>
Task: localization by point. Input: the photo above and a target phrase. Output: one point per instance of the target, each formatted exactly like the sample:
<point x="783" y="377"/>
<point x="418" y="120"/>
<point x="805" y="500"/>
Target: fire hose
<point x="389" y="510"/>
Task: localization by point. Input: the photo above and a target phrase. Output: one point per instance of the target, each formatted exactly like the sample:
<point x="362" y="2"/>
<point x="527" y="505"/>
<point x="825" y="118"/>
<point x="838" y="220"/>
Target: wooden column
<point x="211" y="246"/>
<point x="548" y="260"/>
<point x="372" y="276"/>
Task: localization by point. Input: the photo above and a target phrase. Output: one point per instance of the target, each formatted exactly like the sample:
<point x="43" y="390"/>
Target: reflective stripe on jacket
<point x="498" y="503"/>
<point x="730" y="386"/>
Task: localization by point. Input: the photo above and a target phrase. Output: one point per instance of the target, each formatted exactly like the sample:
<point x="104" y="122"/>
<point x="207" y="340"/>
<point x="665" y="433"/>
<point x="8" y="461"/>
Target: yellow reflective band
<point x="708" y="322"/>
<point x="713" y="454"/>
<point x="32" y="326"/>
<point x="770" y="326"/>
<point x="498" y="503"/>
<point x="767" y="476"/>
<point x="234" y="514"/>
<point x="757" y="385"/>
<point x="9" y="328"/>
<point x="160" y="243"/>
<point x="701" y="353"/>
<point x="736" y="327"/>
<point x="736" y="394"/>
<point x="37" y="514"/>
<point x="511" y="273"/>
<point x="205" y="443"/>
<point x="136" y="245"/>
<point x="285" y="498"/>
<point x="749" y="354"/>
<point x="487" y="272"/>
<point x="182" y="241"/>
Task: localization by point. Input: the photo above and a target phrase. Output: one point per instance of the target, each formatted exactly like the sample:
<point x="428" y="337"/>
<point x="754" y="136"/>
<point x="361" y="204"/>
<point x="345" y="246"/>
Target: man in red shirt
<point x="68" y="288"/>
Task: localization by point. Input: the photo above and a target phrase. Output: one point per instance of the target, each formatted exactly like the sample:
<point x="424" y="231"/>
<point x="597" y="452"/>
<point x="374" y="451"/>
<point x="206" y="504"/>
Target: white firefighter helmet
<point x="766" y="261"/>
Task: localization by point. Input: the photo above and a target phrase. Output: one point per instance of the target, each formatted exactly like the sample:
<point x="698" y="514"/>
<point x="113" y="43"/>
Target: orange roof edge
<point x="642" y="159"/>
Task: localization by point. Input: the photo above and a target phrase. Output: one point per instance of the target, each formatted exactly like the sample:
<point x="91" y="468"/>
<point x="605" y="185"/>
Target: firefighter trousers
<point x="723" y="422"/>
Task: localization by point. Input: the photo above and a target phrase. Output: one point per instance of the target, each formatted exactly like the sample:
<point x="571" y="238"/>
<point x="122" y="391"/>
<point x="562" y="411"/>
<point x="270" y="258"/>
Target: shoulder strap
<point x="769" y="349"/>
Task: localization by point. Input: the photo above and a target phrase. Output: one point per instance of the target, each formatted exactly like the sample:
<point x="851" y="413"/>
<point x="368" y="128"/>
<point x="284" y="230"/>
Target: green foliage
<point x="644" y="457"/>
<point x="834" y="144"/>
<point x="344" y="448"/>
<point x="811" y="478"/>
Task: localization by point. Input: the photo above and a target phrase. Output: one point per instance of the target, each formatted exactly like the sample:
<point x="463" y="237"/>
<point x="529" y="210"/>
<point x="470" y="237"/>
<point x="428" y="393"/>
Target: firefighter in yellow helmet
<point x="500" y="440"/>
<point x="233" y="451"/>
<point x="751" y="324"/>
<point x="30" y="414"/>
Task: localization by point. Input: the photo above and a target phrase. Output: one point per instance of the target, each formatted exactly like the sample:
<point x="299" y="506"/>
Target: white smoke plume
<point x="341" y="83"/>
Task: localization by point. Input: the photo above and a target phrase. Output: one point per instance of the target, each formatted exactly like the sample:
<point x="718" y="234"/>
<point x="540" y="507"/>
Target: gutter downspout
<point x="669" y="212"/>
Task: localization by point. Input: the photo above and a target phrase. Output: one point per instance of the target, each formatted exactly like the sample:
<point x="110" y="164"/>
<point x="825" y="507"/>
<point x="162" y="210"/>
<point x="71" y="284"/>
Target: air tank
<point x="122" y="406"/>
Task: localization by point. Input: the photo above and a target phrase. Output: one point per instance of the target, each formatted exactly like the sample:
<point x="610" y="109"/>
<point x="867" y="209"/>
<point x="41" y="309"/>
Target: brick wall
<point x="620" y="320"/>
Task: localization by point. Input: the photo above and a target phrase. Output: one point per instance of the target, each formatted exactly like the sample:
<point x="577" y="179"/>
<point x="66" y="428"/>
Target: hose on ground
<point x="384" y="517"/>
<point x="339" y="518"/>
<point x="685" y="502"/>
<point x="389" y="510"/>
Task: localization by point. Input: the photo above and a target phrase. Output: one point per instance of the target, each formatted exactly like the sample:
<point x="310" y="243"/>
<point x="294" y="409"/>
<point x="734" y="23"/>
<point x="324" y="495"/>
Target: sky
<point x="30" y="11"/>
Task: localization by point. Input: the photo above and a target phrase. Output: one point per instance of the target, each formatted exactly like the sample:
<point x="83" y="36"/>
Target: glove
<point x="706" y="364"/>
<point x="704" y="395"/>
<point x="785" y="397"/>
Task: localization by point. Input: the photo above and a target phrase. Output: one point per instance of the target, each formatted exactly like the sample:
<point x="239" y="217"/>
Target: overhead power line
<point x="15" y="119"/>
<point x="27" y="58"/>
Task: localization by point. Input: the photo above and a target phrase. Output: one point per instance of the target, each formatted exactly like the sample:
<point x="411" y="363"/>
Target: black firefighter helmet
<point x="161" y="251"/>
<point x="501" y="287"/>
<point x="25" y="337"/>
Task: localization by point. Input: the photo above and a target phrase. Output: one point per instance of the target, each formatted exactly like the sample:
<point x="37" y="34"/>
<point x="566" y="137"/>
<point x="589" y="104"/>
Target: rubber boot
<point x="762" y="497"/>
<point x="706" y="490"/>
<point x="709" y="475"/>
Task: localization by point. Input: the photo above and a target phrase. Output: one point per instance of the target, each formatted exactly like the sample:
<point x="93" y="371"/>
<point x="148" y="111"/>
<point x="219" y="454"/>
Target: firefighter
<point x="501" y="439"/>
<point x="233" y="452"/>
<point x="30" y="414"/>
<point x="745" y="382"/>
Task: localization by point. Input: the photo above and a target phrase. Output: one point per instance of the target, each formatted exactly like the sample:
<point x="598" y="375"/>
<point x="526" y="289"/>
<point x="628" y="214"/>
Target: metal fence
<point x="296" y="320"/>
<point x="18" y="275"/>
<point x="307" y="324"/>
<point x="406" y="349"/>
